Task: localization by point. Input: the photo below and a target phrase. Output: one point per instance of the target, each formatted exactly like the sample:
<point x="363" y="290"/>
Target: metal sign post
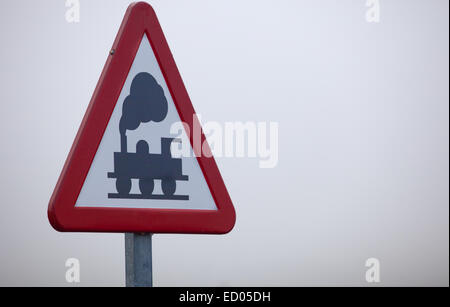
<point x="138" y="259"/>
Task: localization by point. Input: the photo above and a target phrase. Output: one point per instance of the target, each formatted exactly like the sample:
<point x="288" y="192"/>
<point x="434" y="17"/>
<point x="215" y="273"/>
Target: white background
<point x="97" y="186"/>
<point x="363" y="152"/>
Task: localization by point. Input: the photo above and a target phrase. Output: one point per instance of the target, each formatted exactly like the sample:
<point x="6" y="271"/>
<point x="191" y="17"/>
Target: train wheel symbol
<point x="168" y="186"/>
<point x="123" y="185"/>
<point x="146" y="186"/>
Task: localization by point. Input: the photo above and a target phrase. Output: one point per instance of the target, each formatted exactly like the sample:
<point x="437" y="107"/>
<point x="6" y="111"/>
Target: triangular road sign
<point x="121" y="174"/>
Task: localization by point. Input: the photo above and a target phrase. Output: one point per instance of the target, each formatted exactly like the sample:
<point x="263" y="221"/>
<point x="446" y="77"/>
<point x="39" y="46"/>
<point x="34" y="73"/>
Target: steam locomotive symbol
<point x="145" y="103"/>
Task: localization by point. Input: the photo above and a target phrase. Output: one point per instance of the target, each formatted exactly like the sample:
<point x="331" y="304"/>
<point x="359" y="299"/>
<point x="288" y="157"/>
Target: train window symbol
<point x="146" y="102"/>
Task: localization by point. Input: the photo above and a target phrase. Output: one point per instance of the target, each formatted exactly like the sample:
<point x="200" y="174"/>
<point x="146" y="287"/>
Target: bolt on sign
<point x="121" y="174"/>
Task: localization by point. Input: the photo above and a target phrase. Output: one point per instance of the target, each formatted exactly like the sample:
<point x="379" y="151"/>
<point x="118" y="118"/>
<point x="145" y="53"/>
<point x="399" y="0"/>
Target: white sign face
<point x="133" y="167"/>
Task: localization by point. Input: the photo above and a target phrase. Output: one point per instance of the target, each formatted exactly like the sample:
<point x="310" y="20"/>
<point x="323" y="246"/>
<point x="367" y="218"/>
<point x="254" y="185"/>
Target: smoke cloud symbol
<point x="146" y="102"/>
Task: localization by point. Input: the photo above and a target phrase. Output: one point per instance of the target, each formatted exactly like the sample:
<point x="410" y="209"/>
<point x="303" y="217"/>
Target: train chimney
<point x="123" y="142"/>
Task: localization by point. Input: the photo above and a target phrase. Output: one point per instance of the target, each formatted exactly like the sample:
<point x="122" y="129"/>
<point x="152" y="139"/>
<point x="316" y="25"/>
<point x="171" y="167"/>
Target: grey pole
<point x="138" y="259"/>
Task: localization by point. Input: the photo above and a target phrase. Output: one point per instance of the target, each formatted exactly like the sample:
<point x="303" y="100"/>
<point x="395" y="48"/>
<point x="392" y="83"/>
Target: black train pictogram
<point x="146" y="102"/>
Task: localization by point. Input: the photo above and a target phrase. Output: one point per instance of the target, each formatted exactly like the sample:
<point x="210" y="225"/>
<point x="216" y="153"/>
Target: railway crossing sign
<point x="124" y="172"/>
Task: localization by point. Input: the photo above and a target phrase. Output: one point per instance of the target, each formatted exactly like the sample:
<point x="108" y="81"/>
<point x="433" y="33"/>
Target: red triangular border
<point x="139" y="19"/>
